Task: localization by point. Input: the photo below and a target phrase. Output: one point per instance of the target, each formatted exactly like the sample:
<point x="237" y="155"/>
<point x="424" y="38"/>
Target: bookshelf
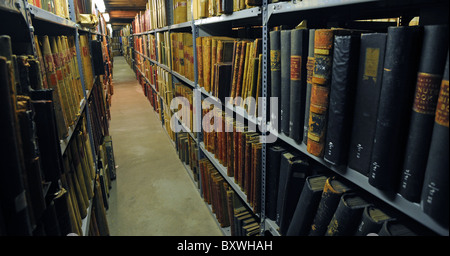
<point x="88" y="99"/>
<point x="320" y="14"/>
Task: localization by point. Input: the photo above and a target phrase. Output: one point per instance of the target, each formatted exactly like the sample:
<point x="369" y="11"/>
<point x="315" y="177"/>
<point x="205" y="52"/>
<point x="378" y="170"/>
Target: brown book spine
<point x="206" y="51"/>
<point x="235" y="67"/>
<point x="240" y="71"/>
<point x="323" y="43"/>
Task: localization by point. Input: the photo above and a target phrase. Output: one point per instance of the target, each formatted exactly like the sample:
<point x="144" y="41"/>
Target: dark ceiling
<point x="122" y="12"/>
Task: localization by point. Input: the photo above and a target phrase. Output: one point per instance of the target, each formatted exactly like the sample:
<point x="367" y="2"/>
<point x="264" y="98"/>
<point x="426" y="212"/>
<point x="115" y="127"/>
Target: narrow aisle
<point x="153" y="194"/>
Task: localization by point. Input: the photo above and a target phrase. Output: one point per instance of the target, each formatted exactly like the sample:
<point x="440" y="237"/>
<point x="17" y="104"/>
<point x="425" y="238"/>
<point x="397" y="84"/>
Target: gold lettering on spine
<point x="427" y="92"/>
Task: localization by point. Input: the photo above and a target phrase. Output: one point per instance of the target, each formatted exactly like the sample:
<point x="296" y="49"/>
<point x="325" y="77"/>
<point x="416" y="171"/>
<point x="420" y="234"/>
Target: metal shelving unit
<point x="37" y="19"/>
<point x="272" y="14"/>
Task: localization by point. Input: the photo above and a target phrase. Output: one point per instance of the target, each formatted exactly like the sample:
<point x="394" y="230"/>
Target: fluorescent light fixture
<point x="106" y="16"/>
<point x="100" y="5"/>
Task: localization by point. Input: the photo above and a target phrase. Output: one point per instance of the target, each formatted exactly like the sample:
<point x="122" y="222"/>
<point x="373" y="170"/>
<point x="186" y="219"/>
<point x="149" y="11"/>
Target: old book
<point x="429" y="78"/>
<point x="397" y="88"/>
<point x="180" y="11"/>
<point x="293" y="173"/>
<point x="199" y="47"/>
<point x="323" y="54"/>
<point x="240" y="71"/>
<point x="272" y="176"/>
<point x="53" y="84"/>
<point x="285" y="88"/>
<point x="371" y="62"/>
<point x="299" y="53"/>
<point x="395" y="228"/>
<point x="13" y="198"/>
<point x="307" y="206"/>
<point x="256" y="176"/>
<point x="275" y="76"/>
<point x="226" y="6"/>
<point x="237" y="48"/>
<point x="332" y="192"/>
<point x="342" y="98"/>
<point x="347" y="216"/>
<point x="435" y="186"/>
<point x="309" y="74"/>
<point x="372" y="220"/>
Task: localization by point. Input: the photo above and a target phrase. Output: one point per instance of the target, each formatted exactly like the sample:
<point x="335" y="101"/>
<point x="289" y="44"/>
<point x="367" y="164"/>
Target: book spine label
<point x="296" y="63"/>
<point x="427" y="92"/>
<point x="442" y="109"/>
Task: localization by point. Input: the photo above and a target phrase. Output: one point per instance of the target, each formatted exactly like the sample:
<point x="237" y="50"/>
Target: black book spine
<point x="298" y="171"/>
<point x="299" y="49"/>
<point x="342" y="98"/>
<point x="285" y="79"/>
<point x="273" y="173"/>
<point x="13" y="199"/>
<point x="275" y="77"/>
<point x="309" y="75"/>
<point x="429" y="77"/>
<point x="227" y="6"/>
<point x="397" y="89"/>
<point x="225" y="79"/>
<point x="346" y="218"/>
<point x="305" y="210"/>
<point x="435" y="189"/>
<point x="366" y="102"/>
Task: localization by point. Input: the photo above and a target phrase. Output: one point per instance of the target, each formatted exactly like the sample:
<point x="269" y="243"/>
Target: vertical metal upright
<point x="80" y="70"/>
<point x="265" y="96"/>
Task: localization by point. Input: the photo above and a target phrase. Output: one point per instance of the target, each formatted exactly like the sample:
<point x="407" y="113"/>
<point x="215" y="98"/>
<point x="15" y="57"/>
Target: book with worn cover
<point x="293" y="172"/>
<point x="332" y="192"/>
<point x="342" y="98"/>
<point x="299" y="49"/>
<point x="397" y="89"/>
<point x="371" y="62"/>
<point x="309" y="74"/>
<point x="435" y="190"/>
<point x="372" y="220"/>
<point x="429" y="78"/>
<point x="307" y="206"/>
<point x="347" y="216"/>
<point x="272" y="176"/>
<point x="285" y="42"/>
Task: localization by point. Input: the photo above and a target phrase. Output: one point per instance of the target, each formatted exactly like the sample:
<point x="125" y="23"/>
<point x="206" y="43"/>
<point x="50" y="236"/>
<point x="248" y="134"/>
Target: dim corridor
<point x="153" y="194"/>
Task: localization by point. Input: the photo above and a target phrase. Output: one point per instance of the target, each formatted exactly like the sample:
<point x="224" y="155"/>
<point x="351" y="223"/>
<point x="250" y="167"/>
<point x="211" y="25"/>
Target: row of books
<point x="32" y="201"/>
<point x="304" y="199"/>
<point x="188" y="153"/>
<point x="229" y="67"/>
<point x="238" y="150"/>
<point x="59" y="71"/>
<point x="182" y="54"/>
<point x="368" y="100"/>
<point x="146" y="45"/>
<point x="228" y="208"/>
<point x="211" y="8"/>
<point x="185" y="112"/>
<point x="153" y="17"/>
<point x="61" y="7"/>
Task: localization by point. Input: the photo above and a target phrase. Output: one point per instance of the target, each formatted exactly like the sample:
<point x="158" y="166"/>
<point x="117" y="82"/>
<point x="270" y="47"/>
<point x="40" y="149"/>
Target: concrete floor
<point x="153" y="194"/>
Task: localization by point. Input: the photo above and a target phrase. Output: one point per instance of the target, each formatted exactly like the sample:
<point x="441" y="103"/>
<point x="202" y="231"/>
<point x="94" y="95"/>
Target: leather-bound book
<point x="272" y="176"/>
<point x="397" y="89"/>
<point x="198" y="45"/>
<point x="395" y="228"/>
<point x="435" y="186"/>
<point x="97" y="57"/>
<point x="347" y="216"/>
<point x="372" y="220"/>
<point x="226" y="6"/>
<point x="206" y="59"/>
<point x="256" y="176"/>
<point x="309" y="74"/>
<point x="13" y="199"/>
<point x="307" y="206"/>
<point x="224" y="78"/>
<point x="235" y="66"/>
<point x="332" y="192"/>
<point x="293" y="173"/>
<point x="429" y="78"/>
<point x="285" y="43"/>
<point x="320" y="89"/>
<point x="275" y="76"/>
<point x="371" y="62"/>
<point x="342" y="98"/>
<point x="299" y="53"/>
